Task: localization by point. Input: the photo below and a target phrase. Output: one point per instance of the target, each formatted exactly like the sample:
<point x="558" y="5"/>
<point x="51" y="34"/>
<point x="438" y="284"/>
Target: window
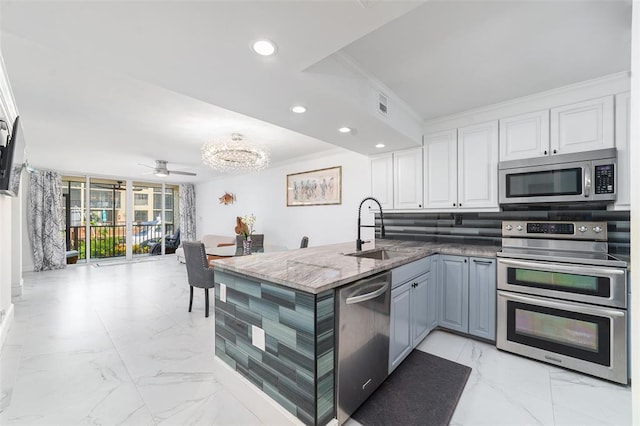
<point x="141" y="215"/>
<point x="140" y="199"/>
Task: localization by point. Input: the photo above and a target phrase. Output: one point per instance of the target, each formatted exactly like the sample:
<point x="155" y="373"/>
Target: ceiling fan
<point x="119" y="187"/>
<point x="160" y="169"/>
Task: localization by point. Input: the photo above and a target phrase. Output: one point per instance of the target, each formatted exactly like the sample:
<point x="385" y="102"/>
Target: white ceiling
<point x="103" y="85"/>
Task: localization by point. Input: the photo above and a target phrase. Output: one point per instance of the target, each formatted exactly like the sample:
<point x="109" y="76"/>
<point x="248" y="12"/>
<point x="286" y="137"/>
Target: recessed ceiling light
<point x="299" y="109"/>
<point x="379" y="145"/>
<point x="264" y="47"/>
<point x="344" y="129"/>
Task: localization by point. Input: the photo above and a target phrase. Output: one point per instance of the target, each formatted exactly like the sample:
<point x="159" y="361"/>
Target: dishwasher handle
<point x="367" y="296"/>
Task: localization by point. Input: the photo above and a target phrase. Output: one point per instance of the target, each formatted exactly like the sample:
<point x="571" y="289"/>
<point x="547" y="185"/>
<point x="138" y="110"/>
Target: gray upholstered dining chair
<point x="305" y="242"/>
<point x="257" y="240"/>
<point x="198" y="272"/>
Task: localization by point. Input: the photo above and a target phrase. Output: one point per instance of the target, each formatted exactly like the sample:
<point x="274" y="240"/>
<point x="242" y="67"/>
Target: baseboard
<point x="16" y="289"/>
<point x="5" y="325"/>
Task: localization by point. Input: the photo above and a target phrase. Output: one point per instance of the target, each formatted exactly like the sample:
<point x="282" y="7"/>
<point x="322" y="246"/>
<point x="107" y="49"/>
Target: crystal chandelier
<point x="236" y="155"/>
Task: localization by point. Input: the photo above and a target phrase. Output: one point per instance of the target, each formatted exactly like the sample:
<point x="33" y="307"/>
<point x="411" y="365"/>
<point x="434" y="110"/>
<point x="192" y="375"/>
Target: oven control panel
<point x="569" y="230"/>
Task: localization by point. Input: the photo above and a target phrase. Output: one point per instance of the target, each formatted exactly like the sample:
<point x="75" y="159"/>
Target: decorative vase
<point x="246" y="246"/>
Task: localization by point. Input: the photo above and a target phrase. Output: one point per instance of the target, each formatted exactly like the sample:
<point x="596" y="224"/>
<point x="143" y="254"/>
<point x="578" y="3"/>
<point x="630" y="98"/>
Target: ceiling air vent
<point x="382" y="103"/>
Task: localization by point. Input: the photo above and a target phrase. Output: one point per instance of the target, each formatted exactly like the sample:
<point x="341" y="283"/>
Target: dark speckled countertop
<point x="316" y="269"/>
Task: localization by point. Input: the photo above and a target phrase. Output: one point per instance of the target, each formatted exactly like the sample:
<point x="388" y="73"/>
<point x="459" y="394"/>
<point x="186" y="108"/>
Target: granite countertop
<point x="317" y="269"/>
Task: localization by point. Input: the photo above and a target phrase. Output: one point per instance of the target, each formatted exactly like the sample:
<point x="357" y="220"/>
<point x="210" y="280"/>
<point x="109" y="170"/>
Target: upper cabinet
<point x="382" y="179"/>
<point x="578" y="127"/>
<point x="396" y="179"/>
<point x="441" y="170"/>
<point x="583" y="126"/>
<point x="623" y="121"/>
<point x="478" y="166"/>
<point x="524" y="136"/>
<point x="461" y="168"/>
<point x="407" y="179"/>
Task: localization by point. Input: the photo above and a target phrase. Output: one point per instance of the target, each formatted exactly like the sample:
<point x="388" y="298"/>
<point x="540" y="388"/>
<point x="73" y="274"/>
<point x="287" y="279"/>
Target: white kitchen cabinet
<point x="441" y="170"/>
<point x="461" y="168"/>
<point x="407" y="179"/>
<point x="623" y="122"/>
<point x="382" y="179"/>
<point x="478" y="166"/>
<point x="582" y="126"/>
<point x="396" y="179"/>
<point x="524" y="136"/>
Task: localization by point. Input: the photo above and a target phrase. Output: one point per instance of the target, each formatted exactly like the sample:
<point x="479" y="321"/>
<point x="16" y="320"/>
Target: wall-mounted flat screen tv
<point x="12" y="159"/>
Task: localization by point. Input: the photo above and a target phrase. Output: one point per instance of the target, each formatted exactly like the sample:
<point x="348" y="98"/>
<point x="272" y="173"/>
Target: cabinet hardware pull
<point x="545" y="152"/>
<point x="484" y="262"/>
<point x="465" y="261"/>
<point x="454" y="204"/>
<point x="555" y="152"/>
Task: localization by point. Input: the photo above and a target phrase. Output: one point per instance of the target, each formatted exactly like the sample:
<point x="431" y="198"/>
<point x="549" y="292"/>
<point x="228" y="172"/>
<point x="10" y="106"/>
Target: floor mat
<point x="423" y="390"/>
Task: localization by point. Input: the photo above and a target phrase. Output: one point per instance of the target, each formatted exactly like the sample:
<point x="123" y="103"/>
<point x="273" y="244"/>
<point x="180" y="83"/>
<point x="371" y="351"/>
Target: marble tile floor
<point x="115" y="345"/>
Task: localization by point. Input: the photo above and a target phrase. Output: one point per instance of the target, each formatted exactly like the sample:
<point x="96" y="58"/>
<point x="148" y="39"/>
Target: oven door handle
<point x="570" y="269"/>
<point x="599" y="311"/>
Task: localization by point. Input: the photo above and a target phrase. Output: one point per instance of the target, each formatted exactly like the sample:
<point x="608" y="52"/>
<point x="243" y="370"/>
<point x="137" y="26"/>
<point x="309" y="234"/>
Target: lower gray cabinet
<point x="411" y="318"/>
<point x="467" y="287"/>
<point x="400" y="326"/>
<point x="454" y="285"/>
<point x="482" y="297"/>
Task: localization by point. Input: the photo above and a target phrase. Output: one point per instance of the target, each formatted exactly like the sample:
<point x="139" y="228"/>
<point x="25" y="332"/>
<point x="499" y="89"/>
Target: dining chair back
<point x="198" y="272"/>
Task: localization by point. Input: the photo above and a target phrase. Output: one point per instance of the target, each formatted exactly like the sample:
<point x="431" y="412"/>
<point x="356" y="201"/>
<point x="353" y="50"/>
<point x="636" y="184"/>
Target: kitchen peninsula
<point x="276" y="314"/>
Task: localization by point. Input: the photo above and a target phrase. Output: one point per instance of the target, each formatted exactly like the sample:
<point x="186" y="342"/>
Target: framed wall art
<point x="315" y="187"/>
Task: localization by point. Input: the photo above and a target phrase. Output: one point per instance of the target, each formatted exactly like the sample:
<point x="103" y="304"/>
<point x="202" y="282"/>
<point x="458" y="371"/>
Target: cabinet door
<point x="407" y="179"/>
<point x="400" y="325"/>
<point x="482" y="297"/>
<point x="382" y="179"/>
<point x="583" y="126"/>
<point x="454" y="307"/>
<point x="433" y="305"/>
<point x="441" y="170"/>
<point x="623" y="122"/>
<point x="524" y="136"/>
<point x="420" y="308"/>
<point x="478" y="166"/>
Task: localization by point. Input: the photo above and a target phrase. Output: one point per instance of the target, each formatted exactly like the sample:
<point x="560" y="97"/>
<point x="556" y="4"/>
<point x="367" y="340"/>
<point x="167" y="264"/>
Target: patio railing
<point x="110" y="240"/>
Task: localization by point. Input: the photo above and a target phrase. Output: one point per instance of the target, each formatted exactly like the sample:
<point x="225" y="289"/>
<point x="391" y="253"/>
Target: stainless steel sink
<point x="379" y="254"/>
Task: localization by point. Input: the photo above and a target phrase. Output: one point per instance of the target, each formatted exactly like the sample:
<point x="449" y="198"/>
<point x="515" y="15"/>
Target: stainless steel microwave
<point x="563" y="178"/>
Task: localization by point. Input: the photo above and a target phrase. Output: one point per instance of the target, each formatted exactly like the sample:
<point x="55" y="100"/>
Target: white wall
<point x="264" y="194"/>
<point x="634" y="151"/>
<point x="8" y="243"/>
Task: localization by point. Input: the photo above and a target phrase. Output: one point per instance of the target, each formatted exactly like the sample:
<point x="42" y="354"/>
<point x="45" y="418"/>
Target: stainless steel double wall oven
<point x="562" y="298"/>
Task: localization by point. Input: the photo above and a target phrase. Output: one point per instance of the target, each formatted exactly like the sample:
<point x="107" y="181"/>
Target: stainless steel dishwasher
<point x="363" y="341"/>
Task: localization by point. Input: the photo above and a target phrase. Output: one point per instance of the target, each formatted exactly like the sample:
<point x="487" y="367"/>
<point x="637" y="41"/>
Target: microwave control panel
<point x="604" y="179"/>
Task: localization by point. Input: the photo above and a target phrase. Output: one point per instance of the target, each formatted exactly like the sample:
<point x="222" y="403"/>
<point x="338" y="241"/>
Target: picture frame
<point x="315" y="187"/>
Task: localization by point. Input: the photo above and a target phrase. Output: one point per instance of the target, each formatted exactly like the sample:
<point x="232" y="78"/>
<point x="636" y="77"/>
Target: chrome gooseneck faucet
<point x="359" y="240"/>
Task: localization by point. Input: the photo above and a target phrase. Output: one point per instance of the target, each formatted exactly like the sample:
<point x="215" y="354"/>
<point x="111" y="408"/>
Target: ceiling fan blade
<point x="146" y="165"/>
<point x="175" y="172"/>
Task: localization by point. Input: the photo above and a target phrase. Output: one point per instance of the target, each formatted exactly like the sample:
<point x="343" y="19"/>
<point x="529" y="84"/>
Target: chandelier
<point x="236" y="155"/>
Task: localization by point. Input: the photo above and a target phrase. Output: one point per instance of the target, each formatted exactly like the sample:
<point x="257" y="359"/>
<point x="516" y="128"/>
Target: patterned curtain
<point x="46" y="223"/>
<point x="187" y="212"/>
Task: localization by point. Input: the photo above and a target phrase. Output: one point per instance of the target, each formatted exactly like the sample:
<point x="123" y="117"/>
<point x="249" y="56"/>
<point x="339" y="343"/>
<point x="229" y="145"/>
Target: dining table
<point x="233" y="250"/>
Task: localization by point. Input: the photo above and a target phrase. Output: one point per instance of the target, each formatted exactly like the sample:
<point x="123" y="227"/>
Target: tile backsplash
<point x="485" y="228"/>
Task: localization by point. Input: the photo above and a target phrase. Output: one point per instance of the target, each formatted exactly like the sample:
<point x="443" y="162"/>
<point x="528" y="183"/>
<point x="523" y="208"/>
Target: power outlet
<point x="223" y="293"/>
<point x="257" y="337"/>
